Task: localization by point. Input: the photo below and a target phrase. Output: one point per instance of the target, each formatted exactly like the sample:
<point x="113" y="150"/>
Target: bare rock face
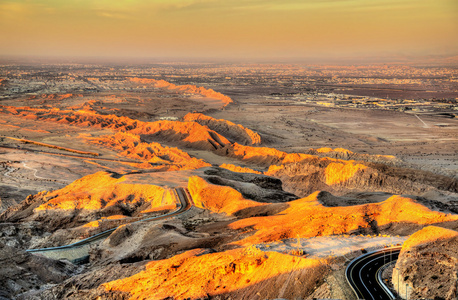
<point x="21" y="271"/>
<point x="84" y="286"/>
<point x="234" y="132"/>
<point x="187" y="88"/>
<point x="428" y="265"/>
<point x="187" y="134"/>
<point x="341" y="177"/>
<point x="242" y="273"/>
<point x="86" y="199"/>
<point x="257" y="187"/>
<point x="139" y="242"/>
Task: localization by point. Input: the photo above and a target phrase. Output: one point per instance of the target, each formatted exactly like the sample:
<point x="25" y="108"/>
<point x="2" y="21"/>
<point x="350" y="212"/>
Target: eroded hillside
<point x="263" y="222"/>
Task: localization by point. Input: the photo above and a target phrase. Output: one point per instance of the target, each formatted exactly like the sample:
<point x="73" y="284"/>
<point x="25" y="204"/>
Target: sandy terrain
<point x="295" y="128"/>
<point x="284" y="192"/>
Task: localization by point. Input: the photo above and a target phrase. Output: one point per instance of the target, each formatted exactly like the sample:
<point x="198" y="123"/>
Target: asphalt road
<point x="363" y="274"/>
<point x="185" y="204"/>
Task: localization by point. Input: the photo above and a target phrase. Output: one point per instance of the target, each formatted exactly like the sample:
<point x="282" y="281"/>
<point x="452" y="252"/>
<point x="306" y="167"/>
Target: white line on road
<point x="360" y="260"/>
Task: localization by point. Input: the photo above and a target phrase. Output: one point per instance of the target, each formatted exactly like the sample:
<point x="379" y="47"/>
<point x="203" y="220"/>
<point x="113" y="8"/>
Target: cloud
<point x="112" y="15"/>
<point x="14" y="7"/>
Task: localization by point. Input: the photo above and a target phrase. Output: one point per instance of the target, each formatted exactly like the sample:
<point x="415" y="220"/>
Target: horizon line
<point x="450" y="59"/>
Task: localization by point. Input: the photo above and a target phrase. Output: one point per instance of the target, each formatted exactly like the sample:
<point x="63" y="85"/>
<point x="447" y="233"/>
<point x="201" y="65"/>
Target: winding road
<point x="78" y="252"/>
<point x="364" y="274"/>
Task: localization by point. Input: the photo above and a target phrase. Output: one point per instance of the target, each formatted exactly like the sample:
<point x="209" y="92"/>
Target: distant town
<point x="404" y="88"/>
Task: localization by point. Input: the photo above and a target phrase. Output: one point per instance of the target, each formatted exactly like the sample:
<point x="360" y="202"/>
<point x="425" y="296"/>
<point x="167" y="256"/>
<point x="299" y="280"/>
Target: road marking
<point x="350" y="270"/>
<point x="377" y="256"/>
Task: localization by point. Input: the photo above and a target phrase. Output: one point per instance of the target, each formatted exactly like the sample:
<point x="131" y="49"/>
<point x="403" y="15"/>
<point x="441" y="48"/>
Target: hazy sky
<point x="265" y="29"/>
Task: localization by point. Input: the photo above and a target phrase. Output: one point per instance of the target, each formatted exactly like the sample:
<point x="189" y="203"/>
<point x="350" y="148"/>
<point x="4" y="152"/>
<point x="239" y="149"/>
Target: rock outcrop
<point x="234" y="132"/>
<point x="251" y="185"/>
<point x="187" y="134"/>
<point x="89" y="199"/>
<point x="239" y="169"/>
<point x="130" y="145"/>
<point x="240" y="273"/>
<point x="307" y="217"/>
<point x="428" y="265"/>
<point x="218" y="199"/>
<point x="337" y="176"/>
<point x="23" y="272"/>
<point x="192" y="89"/>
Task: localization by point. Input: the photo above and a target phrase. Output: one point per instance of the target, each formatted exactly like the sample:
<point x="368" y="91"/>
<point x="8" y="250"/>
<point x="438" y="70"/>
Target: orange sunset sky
<point x="229" y="29"/>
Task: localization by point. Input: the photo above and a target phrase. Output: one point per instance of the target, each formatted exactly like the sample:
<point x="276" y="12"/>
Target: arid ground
<point x="285" y="190"/>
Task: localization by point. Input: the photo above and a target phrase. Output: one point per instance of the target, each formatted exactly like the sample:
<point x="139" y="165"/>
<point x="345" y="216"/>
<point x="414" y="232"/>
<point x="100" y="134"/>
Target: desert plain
<point x="292" y="172"/>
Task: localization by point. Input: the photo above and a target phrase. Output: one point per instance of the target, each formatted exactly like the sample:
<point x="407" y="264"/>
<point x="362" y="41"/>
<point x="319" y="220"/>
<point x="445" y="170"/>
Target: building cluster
<point x="397" y="87"/>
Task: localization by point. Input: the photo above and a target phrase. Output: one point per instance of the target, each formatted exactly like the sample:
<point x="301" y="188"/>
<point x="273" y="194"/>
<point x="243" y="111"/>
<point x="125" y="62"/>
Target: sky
<point x="229" y="29"/>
